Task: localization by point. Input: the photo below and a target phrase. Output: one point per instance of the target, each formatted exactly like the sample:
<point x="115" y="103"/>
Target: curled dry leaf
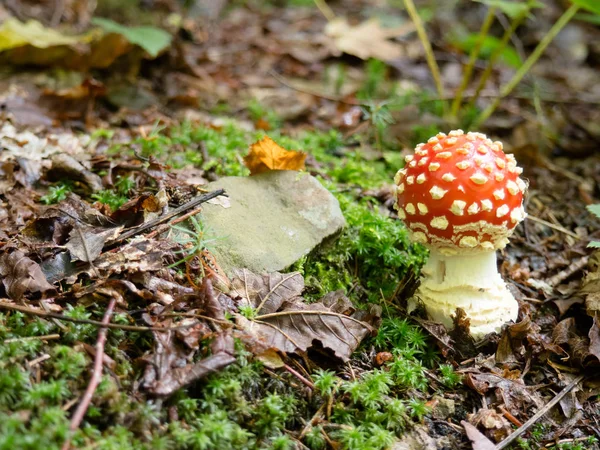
<point x="21" y="275"/>
<point x="285" y="322"/>
<point x="266" y="155"/>
<point x="67" y="167"/>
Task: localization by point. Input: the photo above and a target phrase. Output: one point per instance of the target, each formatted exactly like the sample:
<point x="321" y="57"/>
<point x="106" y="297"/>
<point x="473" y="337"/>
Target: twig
<point x="574" y="267"/>
<point x="97" y="323"/>
<point x="518" y="432"/>
<point x="333" y="98"/>
<point x="524" y="69"/>
<point x="311" y="423"/>
<point x="433" y="66"/>
<point x="96" y="374"/>
<point x="554" y="227"/>
<point x="418" y="101"/>
<point x="512" y="419"/>
<point x="485" y="28"/>
<point x="165" y="218"/>
<point x="180" y="219"/>
<point x="46" y="337"/>
<point x="299" y="376"/>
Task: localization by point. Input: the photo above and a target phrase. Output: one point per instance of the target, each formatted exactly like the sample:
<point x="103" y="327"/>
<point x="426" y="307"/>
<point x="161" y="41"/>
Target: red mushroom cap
<point x="460" y="191"/>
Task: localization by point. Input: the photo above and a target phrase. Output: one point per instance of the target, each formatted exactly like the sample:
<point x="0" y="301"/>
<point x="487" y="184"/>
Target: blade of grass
<point x="524" y="69"/>
<point x="485" y="28"/>
<point x="325" y="9"/>
<point x="431" y="62"/>
<point x="495" y="55"/>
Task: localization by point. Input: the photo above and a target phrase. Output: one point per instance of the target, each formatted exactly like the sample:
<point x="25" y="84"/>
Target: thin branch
<point x="518" y="432"/>
<point x="49" y="315"/>
<point x="165" y="227"/>
<point x="46" y="337"/>
<point x="297" y="374"/>
<point x="554" y="227"/>
<point x="165" y="218"/>
<point x="96" y="374"/>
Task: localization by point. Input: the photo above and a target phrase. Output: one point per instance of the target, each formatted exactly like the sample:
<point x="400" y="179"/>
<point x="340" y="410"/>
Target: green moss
<point x="241" y="406"/>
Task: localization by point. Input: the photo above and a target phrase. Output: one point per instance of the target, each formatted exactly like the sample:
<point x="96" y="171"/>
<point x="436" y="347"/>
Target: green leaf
<point x="152" y="39"/>
<point x="594" y="19"/>
<point x="509" y="55"/>
<point x="594" y="209"/>
<point x="512" y="9"/>
<point x="594" y="244"/>
<point x="589" y="5"/>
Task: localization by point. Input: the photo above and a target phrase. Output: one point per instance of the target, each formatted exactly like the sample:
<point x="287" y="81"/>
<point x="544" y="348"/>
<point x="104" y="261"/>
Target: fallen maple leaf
<point x="266" y="155"/>
<point x="367" y="39"/>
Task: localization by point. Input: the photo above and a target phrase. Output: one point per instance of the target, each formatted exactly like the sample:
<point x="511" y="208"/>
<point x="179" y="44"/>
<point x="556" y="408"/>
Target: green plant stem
<point x="524" y="69"/>
<point x="325" y="9"/>
<point x="495" y="55"/>
<point x="485" y="28"/>
<point x="431" y="62"/>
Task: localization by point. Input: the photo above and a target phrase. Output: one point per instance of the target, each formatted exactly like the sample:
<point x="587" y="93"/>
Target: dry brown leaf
<point x="266" y="293"/>
<point x="86" y="243"/>
<point x="477" y="438"/>
<point x="286" y="323"/>
<point x="367" y="39"/>
<point x="266" y="155"/>
<point x="171" y="366"/>
<point x="21" y="274"/>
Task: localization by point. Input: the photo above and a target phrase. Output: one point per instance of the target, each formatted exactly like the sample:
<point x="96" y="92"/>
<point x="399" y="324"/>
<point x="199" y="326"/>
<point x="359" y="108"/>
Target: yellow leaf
<point x="266" y="155"/>
<point x="16" y="34"/>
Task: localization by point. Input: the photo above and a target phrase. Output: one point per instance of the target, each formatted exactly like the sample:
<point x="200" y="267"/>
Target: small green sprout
<point x="56" y="194"/>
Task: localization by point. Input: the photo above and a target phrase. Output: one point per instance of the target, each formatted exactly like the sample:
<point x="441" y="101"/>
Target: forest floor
<point x="117" y="333"/>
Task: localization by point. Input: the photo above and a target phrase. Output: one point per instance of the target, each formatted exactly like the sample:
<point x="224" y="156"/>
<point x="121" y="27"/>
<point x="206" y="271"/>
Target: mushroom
<point x="461" y="196"/>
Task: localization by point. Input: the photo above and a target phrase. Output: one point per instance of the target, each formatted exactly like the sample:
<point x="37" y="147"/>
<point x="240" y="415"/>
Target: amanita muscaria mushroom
<point x="461" y="196"/>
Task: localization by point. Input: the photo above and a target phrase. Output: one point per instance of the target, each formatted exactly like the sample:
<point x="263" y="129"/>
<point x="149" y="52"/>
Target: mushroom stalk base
<point x="470" y="282"/>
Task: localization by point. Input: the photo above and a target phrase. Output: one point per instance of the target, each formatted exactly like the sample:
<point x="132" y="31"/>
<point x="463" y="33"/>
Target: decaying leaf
<point x="170" y="366"/>
<point x="285" y="322"/>
<point x="86" y="243"/>
<point x="25" y="144"/>
<point x="594" y="336"/>
<point x="20" y="275"/>
<point x="477" y="438"/>
<point x="367" y="39"/>
<point x="266" y="155"/>
<point x="266" y="292"/>
<point x="66" y="167"/>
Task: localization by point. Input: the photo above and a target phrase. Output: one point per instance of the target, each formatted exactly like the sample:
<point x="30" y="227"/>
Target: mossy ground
<point x="244" y="406"/>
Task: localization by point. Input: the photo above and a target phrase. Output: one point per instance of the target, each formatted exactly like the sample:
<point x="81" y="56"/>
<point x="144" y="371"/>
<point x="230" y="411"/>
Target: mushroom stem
<point x="471" y="282"/>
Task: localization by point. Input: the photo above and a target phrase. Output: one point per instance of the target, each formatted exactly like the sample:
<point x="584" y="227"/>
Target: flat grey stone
<point x="274" y="219"/>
